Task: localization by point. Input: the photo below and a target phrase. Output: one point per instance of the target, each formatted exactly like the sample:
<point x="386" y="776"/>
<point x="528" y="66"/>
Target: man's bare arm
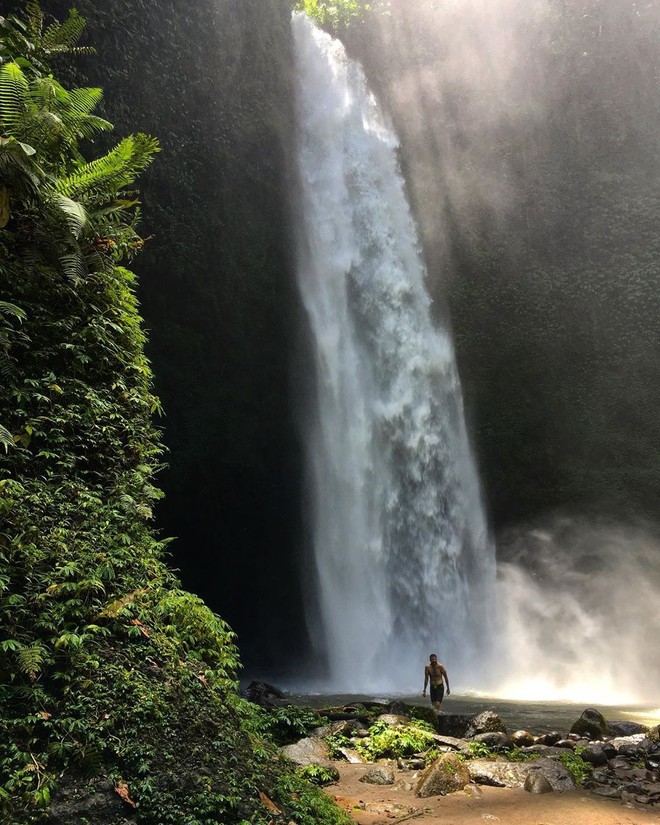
<point x="426" y="679"/>
<point x="446" y="678"/>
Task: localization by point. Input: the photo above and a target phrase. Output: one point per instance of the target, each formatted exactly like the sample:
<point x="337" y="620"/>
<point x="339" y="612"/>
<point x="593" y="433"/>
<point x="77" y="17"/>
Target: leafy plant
<point x="288" y="724"/>
<point x="318" y="774"/>
<point x="395" y="740"/>
<point x="576" y="765"/>
<point x="106" y="666"/>
<point x="338" y="14"/>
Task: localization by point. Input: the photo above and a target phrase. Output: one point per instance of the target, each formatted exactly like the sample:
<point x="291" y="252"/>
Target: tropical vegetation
<point x="108" y="669"/>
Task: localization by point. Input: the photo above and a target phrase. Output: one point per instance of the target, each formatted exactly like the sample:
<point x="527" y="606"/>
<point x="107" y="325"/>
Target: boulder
<point x="486" y="722"/>
<point x="426" y="714"/>
<point x="503" y="774"/>
<point x="399" y="708"/>
<point x="446" y="775"/>
<point x="308" y="751"/>
<point x="352" y="756"/>
<point x="453" y="724"/>
<point x="592" y="724"/>
<point x="536" y="782"/>
<point x="595" y="754"/>
<point x="544" y="750"/>
<point x="625" y="728"/>
<point x="496" y="741"/>
<point x="522" y="738"/>
<point x="635" y="746"/>
<point x="393" y="719"/>
<point x="380" y="775"/>
<point x="547" y="738"/>
<point x="265" y="695"/>
<point x="566" y="744"/>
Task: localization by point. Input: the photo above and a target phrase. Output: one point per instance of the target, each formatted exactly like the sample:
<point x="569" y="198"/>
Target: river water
<point x="536" y="717"/>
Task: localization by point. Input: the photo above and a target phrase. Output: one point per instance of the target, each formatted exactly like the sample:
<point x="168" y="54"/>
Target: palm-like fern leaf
<point x="62" y="37"/>
<point x="74" y="213"/>
<point x="96" y="182"/>
<point x="6" y="438"/>
<point x="14" y="95"/>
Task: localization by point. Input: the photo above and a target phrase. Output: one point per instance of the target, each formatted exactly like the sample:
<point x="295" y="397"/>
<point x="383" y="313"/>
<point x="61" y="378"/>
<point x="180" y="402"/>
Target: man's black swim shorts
<point x="437" y="693"/>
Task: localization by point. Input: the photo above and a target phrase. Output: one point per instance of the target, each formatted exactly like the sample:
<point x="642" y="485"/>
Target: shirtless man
<point x="435" y="672"/>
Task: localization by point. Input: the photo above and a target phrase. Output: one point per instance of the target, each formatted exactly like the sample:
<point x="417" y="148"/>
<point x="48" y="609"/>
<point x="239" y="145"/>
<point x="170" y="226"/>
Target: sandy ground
<point x="385" y="805"/>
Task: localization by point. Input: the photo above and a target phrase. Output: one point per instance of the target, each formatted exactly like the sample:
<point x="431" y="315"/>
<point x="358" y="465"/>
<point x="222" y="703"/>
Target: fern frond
<point x="34" y="20"/>
<point x="11" y="309"/>
<point x="61" y="37"/>
<point x="14" y="90"/>
<point x="73" y="266"/>
<point x="74" y="213"/>
<point x="83" y="101"/>
<point x="30" y="659"/>
<point x="6" y="438"/>
<point x="98" y="180"/>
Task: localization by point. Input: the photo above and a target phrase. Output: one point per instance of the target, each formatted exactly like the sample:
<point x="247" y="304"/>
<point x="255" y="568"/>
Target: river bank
<point x="385" y="805"/>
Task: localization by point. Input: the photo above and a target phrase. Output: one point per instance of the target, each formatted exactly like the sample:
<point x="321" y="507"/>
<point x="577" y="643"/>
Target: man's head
<point x="433" y="659"/>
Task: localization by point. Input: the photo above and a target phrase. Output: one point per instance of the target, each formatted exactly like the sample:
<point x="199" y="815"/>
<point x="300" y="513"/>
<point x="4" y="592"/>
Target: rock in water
<point x="486" y="722"/>
<point x="446" y="775"/>
<point x="592" y="724"/>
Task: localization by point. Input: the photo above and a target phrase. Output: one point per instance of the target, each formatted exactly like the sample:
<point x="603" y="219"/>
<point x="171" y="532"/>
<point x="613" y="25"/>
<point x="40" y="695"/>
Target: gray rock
<point x="393" y="719"/>
<point x="453" y="724"/>
<point x="566" y="744"/>
<point x="486" y="722"/>
<point x="380" y="775"/>
<point x="544" y="750"/>
<point x="473" y="791"/>
<point x="592" y="723"/>
<point x="608" y="791"/>
<point x="309" y="751"/>
<point x="522" y="739"/>
<point x="503" y="774"/>
<point x="625" y="728"/>
<point x="446" y="775"/>
<point x="548" y="739"/>
<point x="535" y="782"/>
<point x="595" y="755"/>
<point x="636" y="745"/>
<point x="399" y="708"/>
<point x="352" y="756"/>
<point x="496" y="741"/>
<point x="265" y="695"/>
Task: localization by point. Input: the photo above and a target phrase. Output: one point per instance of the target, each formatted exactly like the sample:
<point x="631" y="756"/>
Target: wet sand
<point x="385" y="805"/>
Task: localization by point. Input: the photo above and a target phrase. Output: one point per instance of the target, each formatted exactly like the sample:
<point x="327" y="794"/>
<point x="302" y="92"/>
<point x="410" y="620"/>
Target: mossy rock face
<point x="446" y="775"/>
<point x="592" y="723"/>
<point x="425" y="715"/>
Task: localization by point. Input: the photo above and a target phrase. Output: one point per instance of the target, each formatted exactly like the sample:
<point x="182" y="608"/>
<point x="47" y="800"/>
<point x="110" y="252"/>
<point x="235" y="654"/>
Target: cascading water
<point x="404" y="563"/>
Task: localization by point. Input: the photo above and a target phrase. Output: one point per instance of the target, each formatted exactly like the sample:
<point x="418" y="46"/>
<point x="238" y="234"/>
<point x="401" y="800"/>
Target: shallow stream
<point x="537" y="717"/>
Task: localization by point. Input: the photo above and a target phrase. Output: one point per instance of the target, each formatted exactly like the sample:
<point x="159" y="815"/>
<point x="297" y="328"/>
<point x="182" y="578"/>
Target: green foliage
<point x="318" y="775"/>
<point x="339" y="14"/>
<point x="290" y="723"/>
<point x="479" y="750"/>
<point x="310" y="806"/>
<point x="576" y="765"/>
<point x="395" y="740"/>
<point x="106" y="666"/>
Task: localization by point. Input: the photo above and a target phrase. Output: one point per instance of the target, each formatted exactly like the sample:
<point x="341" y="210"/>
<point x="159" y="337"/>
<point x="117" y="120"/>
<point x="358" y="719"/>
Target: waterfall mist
<point x="403" y="560"/>
<point x="579" y="611"/>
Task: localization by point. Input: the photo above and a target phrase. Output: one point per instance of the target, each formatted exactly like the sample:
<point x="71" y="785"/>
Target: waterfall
<point x="403" y="561"/>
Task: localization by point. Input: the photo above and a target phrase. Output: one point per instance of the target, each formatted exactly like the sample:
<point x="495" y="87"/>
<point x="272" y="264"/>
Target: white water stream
<point x="402" y="556"/>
